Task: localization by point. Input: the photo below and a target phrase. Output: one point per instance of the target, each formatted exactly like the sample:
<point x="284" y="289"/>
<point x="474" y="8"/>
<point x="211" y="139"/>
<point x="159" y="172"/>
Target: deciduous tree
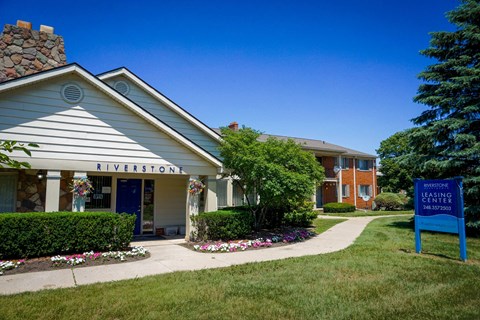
<point x="397" y="162"/>
<point x="279" y="172"/>
<point x="11" y="146"/>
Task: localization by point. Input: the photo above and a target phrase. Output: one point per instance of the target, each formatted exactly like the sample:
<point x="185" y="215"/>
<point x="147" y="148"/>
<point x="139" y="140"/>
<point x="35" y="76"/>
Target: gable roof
<point x="132" y="106"/>
<point x="318" y="145"/>
<point x="161" y="97"/>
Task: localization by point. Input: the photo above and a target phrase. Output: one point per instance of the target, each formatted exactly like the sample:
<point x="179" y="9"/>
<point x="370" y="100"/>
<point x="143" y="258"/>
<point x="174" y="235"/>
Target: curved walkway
<point x="168" y="256"/>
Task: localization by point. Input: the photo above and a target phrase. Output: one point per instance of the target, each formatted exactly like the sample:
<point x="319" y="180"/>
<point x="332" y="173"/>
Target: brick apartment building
<point x="349" y="175"/>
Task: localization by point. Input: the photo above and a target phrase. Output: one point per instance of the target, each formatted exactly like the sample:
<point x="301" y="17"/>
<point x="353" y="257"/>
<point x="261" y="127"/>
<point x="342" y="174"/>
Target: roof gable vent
<point x="72" y="93"/>
<point x="122" y="87"/>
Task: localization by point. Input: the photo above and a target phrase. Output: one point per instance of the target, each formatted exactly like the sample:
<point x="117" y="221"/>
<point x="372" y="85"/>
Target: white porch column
<point x="192" y="210"/>
<point x="339" y="186"/>
<point x="78" y="202"/>
<point x="229" y="192"/>
<point x="211" y="194"/>
<point x="52" y="194"/>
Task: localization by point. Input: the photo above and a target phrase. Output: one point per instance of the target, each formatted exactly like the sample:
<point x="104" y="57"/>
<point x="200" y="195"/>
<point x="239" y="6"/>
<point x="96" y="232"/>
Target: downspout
<point x="339" y="187"/>
<point x="355" y="181"/>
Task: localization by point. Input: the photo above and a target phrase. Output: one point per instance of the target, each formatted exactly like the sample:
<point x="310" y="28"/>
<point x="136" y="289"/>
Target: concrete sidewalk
<point x="169" y="256"/>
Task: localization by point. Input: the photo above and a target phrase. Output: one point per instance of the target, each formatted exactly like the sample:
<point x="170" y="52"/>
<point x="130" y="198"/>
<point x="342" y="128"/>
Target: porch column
<point x="229" y="192"/>
<point x="78" y="202"/>
<point x="211" y="194"/>
<point x="313" y="198"/>
<point x="52" y="193"/>
<point x="339" y="186"/>
<point x="192" y="210"/>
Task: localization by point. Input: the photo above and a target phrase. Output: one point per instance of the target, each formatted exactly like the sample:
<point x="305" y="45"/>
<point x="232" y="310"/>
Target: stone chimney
<point x="233" y="126"/>
<point x="24" y="51"/>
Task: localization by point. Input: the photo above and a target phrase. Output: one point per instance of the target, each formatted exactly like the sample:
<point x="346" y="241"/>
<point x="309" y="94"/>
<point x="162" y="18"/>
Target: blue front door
<point x="129" y="199"/>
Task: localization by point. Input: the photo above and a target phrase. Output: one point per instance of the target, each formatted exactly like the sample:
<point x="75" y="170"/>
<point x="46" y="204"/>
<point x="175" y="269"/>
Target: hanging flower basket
<point x="82" y="187"/>
<point x="195" y="187"/>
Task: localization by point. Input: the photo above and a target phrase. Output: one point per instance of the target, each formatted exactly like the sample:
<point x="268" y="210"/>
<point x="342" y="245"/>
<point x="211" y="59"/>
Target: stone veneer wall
<point x="24" y="51"/>
<point x="30" y="192"/>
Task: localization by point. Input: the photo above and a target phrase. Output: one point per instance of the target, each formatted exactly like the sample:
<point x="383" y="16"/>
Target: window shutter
<point x="370" y="193"/>
<point x="359" y="190"/>
<point x="347" y="191"/>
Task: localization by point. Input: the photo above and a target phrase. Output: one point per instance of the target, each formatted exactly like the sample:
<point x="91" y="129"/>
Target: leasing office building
<point x="137" y="147"/>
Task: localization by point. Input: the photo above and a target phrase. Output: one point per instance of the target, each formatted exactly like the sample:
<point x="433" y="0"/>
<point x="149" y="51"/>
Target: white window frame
<point x="345" y="191"/>
<point x="361" y="190"/>
<point x="367" y="162"/>
<point x="15" y="191"/>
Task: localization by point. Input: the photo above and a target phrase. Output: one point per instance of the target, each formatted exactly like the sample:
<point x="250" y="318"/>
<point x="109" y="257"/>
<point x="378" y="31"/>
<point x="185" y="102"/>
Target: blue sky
<point x="340" y="71"/>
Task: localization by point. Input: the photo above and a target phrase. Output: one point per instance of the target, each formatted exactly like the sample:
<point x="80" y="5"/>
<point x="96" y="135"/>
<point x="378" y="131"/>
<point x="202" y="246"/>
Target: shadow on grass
<point x="402" y="224"/>
<point x="430" y="255"/>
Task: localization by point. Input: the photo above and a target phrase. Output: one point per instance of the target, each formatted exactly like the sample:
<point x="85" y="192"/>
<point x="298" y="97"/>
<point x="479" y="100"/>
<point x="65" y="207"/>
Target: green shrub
<point x="38" y="234"/>
<point x="303" y="218"/>
<point x="390" y="201"/>
<point x="336" y="207"/>
<point x="223" y="224"/>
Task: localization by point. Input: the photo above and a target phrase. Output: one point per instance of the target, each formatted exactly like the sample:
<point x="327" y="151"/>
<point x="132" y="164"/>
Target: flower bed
<point x="242" y="245"/>
<point x="9" y="265"/>
<point x="77" y="259"/>
<point x="85" y="259"/>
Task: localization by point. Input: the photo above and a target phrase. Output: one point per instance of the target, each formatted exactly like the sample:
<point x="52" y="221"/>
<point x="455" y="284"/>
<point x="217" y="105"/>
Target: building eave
<point x="102" y="86"/>
<point x="160" y="97"/>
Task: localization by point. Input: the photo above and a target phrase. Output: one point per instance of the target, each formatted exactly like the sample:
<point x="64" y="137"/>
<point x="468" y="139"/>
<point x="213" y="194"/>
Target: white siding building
<point x="137" y="147"/>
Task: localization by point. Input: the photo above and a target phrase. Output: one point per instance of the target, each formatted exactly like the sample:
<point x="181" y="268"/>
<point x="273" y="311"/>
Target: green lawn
<point x="379" y="277"/>
<point x="361" y="213"/>
<point x="322" y="225"/>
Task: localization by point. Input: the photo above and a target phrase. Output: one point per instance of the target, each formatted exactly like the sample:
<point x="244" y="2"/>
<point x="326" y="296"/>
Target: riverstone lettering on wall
<point x="138" y="168"/>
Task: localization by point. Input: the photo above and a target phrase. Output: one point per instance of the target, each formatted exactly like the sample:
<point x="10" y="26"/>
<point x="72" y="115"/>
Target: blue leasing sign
<point x="439" y="207"/>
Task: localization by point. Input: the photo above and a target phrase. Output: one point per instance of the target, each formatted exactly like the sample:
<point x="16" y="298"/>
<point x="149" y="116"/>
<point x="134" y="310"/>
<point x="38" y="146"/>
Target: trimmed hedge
<point x="39" y="234"/>
<point x="390" y="201"/>
<point x="336" y="207"/>
<point x="223" y="225"/>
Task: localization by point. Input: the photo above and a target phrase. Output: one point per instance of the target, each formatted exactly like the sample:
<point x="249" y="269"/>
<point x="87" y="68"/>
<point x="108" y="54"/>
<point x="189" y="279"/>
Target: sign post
<point x="439" y="207"/>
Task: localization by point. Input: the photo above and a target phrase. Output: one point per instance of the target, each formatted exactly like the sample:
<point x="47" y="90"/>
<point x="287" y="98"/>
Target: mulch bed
<point x="264" y="234"/>
<point x="45" y="264"/>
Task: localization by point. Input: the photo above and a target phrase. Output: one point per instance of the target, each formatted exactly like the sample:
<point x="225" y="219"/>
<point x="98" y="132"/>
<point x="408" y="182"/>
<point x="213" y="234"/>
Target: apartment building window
<point x="365" y="164"/>
<point x="345" y="163"/>
<point x="345" y="190"/>
<point x="222" y="193"/>
<point x="364" y="190"/>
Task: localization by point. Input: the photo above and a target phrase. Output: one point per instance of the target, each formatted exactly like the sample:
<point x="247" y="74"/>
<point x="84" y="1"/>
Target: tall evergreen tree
<point x="448" y="139"/>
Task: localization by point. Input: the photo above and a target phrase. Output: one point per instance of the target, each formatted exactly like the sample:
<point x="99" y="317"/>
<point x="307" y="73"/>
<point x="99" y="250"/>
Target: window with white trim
<point x="345" y="190"/>
<point x="222" y="193"/>
<point x="365" y="164"/>
<point x="364" y="190"/>
<point x="345" y="163"/>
